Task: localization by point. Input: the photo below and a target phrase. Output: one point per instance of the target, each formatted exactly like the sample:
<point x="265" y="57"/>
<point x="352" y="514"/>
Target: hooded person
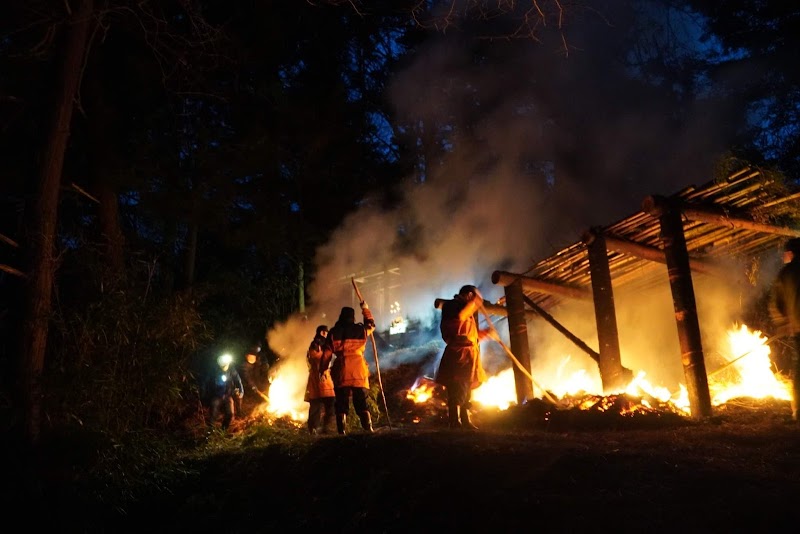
<point x="226" y="388"/>
<point x="346" y="344"/>
<point x="319" y="395"/>
<point x="255" y="377"/>
<point x="784" y="308"/>
<point x="460" y="369"/>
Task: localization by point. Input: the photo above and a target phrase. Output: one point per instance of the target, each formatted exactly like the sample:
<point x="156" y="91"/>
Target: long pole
<point x="514" y="359"/>
<point x="767" y="342"/>
<point x="375" y="353"/>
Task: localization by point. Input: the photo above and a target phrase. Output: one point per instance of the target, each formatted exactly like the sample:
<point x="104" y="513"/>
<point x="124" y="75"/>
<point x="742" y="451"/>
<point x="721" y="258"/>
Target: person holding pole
<point x="347" y="341"/>
<point x="460" y="370"/>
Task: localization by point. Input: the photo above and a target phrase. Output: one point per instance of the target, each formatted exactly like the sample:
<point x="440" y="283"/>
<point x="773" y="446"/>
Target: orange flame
<point x="422" y="390"/>
<point x="748" y="368"/>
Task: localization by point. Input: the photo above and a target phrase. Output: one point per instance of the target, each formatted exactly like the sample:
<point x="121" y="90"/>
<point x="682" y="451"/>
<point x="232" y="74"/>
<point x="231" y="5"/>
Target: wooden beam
<point x="654" y="254"/>
<point x="723" y="219"/>
<point x="493" y="309"/>
<point x="504" y="278"/>
<point x="719" y="216"/>
<point x="499" y="309"/>
<point x="561" y="328"/>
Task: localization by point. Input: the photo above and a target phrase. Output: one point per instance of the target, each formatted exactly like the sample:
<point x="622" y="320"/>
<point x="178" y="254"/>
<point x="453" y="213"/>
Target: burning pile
<point x="747" y="373"/>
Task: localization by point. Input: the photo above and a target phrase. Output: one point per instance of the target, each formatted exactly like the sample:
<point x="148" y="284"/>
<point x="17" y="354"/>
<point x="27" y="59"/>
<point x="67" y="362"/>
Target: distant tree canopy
<point x="758" y="66"/>
<point x="212" y="150"/>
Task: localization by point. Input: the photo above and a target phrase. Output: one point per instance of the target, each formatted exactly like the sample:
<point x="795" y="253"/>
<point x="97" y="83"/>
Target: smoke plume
<point x="521" y="150"/>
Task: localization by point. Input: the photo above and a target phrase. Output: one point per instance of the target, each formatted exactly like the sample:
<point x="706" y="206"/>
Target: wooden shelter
<point x="742" y="215"/>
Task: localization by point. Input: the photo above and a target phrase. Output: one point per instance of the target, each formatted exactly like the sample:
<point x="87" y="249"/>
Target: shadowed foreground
<point x="741" y="469"/>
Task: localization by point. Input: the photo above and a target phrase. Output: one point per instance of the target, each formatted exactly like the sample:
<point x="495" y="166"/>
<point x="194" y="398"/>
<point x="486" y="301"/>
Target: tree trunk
<point x="191" y="255"/>
<point x="102" y="120"/>
<point x="110" y="230"/>
<point x="43" y="225"/>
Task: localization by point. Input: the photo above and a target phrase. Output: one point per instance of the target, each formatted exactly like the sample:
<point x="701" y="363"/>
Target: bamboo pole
<point x="374" y="353"/>
<point x="510" y="354"/>
<point x="540" y="286"/>
<point x="593" y="354"/>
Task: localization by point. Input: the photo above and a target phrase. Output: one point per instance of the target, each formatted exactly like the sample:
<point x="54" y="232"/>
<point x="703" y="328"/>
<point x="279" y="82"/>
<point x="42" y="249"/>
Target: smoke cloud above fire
<point x="522" y="149"/>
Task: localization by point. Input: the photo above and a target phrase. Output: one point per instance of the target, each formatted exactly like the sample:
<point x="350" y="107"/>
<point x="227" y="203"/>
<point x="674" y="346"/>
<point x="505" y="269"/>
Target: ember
<point x="282" y="401"/>
<point x="422" y="390"/>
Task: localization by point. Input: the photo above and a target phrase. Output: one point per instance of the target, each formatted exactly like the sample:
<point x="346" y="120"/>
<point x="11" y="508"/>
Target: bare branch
<point x="42" y="46"/>
<point x="83" y="192"/>
<point x="9" y="241"/>
<point x="11" y="270"/>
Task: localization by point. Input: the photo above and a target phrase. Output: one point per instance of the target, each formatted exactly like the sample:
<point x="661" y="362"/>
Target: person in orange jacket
<point x="319" y="395"/>
<point x="460" y="370"/>
<point x="347" y="341"/>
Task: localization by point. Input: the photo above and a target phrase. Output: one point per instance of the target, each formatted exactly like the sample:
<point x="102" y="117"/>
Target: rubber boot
<point x="452" y="415"/>
<point x="465" y="422"/>
<point x="327" y="423"/>
<point x="312" y="425"/>
<point x="341" y="423"/>
<point x="366" y="421"/>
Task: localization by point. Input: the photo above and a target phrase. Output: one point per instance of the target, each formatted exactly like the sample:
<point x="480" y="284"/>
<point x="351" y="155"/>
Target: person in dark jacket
<point x="460" y="369"/>
<point x="320" y="394"/>
<point x="347" y="341"/>
<point x="225" y="388"/>
<point x="255" y="376"/>
<point x="785" y="312"/>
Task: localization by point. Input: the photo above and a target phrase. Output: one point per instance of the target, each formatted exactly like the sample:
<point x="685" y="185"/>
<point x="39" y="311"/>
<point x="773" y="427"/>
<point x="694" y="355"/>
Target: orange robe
<point x="319" y="385"/>
<point x="348" y="342"/>
<point x="461" y="361"/>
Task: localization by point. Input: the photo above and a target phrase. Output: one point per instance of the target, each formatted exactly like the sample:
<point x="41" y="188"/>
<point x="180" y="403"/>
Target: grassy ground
<point x="526" y="469"/>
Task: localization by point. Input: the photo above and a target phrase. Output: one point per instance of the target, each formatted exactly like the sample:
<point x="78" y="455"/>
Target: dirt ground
<point x="526" y="469"/>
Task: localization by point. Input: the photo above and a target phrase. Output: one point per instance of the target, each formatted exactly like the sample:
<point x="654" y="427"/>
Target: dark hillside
<point x="737" y="471"/>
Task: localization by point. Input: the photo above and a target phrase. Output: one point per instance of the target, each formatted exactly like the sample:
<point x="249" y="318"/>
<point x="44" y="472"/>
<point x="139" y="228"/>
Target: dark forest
<point x="186" y="177"/>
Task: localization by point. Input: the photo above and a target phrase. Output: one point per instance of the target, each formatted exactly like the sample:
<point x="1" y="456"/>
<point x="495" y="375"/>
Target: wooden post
<point x="518" y="335"/>
<point x="680" y="280"/>
<point x="611" y="371"/>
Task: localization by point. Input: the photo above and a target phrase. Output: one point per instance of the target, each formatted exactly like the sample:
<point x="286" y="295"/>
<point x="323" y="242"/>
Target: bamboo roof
<point x="754" y="212"/>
